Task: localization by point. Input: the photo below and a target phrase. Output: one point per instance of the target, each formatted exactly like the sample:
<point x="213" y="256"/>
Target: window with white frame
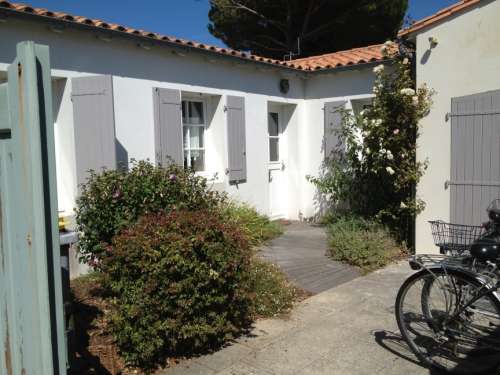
<point x="193" y="124"/>
<point x="274" y="137"/>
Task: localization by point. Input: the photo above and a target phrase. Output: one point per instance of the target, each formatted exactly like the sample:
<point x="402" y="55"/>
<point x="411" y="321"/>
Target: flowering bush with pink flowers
<point x="375" y="174"/>
<point x="111" y="201"/>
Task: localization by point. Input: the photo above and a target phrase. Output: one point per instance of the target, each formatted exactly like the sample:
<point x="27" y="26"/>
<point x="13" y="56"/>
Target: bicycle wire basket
<point x="454" y="239"/>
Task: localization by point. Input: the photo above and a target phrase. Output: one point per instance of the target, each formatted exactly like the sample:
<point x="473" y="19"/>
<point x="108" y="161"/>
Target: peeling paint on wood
<point x="30" y="284"/>
<point x="8" y="356"/>
<point x="2" y="256"/>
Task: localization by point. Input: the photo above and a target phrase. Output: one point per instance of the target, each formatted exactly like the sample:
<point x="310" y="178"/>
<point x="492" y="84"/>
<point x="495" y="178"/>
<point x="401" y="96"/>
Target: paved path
<point x="300" y="253"/>
<point x="347" y="330"/>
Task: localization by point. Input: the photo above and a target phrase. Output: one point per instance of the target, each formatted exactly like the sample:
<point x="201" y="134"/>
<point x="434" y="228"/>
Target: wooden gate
<point x="31" y="311"/>
<point x="475" y="156"/>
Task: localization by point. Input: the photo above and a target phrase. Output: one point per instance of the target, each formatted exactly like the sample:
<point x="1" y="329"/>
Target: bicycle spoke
<point x="436" y="320"/>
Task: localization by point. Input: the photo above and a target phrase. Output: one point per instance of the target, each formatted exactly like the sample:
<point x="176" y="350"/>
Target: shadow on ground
<point x="395" y="343"/>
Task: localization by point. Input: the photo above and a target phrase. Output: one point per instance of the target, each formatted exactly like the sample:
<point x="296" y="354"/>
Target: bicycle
<point x="449" y="311"/>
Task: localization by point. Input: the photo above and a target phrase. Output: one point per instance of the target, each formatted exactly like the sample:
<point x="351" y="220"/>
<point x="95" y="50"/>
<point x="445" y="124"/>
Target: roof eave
<point x="438" y="19"/>
<point x="175" y="46"/>
<point x="360" y="66"/>
<point x="103" y="31"/>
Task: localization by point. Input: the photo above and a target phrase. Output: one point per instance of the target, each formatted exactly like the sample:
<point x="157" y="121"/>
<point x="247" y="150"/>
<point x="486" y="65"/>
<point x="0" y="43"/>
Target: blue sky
<point x="186" y="19"/>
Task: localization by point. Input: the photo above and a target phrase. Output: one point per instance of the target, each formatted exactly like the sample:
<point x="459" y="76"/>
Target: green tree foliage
<point x="272" y="27"/>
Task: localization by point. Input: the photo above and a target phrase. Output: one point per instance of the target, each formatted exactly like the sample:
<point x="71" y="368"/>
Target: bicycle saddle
<point x="494" y="215"/>
<point x="486" y="249"/>
<point x="494" y="211"/>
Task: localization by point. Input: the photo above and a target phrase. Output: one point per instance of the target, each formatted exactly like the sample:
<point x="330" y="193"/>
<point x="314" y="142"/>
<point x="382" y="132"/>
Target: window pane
<point x="184" y="112"/>
<point x="185" y="137"/>
<point x="198" y="160"/>
<point x="186" y="159"/>
<point x="273" y="126"/>
<point x="274" y="153"/>
<point x="195" y="113"/>
<point x="196" y="134"/>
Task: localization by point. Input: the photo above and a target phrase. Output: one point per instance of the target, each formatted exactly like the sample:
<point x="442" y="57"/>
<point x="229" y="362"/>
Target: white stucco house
<point x="256" y="124"/>
<point x="458" y="55"/>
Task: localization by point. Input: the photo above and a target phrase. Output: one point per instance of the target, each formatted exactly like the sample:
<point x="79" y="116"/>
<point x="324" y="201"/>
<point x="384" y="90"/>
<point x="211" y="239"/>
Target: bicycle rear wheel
<point x="467" y="344"/>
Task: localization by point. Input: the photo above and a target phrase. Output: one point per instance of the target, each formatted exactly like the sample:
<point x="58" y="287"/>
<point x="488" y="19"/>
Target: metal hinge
<point x="103" y="92"/>
<point x="449" y="183"/>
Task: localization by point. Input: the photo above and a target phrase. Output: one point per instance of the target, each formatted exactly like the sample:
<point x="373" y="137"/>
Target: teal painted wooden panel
<point x="32" y="326"/>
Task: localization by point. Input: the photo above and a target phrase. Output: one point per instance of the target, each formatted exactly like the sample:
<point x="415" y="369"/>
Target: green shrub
<point x="181" y="280"/>
<point x="361" y="243"/>
<point x="113" y="200"/>
<point x="273" y="294"/>
<point x="258" y="228"/>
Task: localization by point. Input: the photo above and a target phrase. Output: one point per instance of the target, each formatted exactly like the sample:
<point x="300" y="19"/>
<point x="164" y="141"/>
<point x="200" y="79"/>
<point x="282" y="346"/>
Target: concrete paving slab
<point x="349" y="329"/>
<point x="187" y="368"/>
<point x="225" y="358"/>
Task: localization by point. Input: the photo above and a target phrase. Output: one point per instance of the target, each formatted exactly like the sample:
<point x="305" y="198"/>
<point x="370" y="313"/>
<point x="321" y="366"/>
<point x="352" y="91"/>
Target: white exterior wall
<point x="465" y="61"/>
<point x="355" y="85"/>
<point x="136" y="72"/>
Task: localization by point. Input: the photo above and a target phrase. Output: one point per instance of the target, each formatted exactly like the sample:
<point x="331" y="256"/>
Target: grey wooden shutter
<point x="333" y="120"/>
<point x="168" y="126"/>
<point x="475" y="156"/>
<point x="236" y="139"/>
<point x="94" y="124"/>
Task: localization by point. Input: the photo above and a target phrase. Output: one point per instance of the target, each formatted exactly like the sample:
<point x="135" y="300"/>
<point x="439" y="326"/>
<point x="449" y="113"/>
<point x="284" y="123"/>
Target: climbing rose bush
<point x="374" y="175"/>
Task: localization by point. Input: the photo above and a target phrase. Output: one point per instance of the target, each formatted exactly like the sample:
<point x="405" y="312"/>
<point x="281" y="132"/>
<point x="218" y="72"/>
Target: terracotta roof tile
<point x="329" y="61"/>
<point x="354" y="56"/>
<point x="442" y="14"/>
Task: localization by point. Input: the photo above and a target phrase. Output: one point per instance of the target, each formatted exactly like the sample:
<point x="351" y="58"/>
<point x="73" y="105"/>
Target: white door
<point x="276" y="166"/>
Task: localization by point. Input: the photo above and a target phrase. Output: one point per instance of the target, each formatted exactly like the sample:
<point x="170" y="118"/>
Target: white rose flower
<point x="406" y="61"/>
<point x="415" y="100"/>
<point x="409" y="92"/>
<point x="390" y="170"/>
<point x="378" y="69"/>
<point x="368" y="151"/>
<point x="403" y="205"/>
<point x="388" y="43"/>
<point x="378" y="122"/>
<point x="390" y="156"/>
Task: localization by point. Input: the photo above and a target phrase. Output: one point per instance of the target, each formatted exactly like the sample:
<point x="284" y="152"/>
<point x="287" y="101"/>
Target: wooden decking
<point x="300" y="253"/>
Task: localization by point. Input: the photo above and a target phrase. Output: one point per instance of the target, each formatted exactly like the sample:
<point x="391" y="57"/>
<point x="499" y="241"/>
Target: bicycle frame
<point x="491" y="289"/>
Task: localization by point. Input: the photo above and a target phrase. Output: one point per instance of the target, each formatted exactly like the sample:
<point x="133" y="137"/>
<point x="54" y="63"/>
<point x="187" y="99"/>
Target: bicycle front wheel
<point x="445" y="333"/>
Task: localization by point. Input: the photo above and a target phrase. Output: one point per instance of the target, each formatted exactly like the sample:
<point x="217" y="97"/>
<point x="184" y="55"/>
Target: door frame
<point x="278" y="166"/>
